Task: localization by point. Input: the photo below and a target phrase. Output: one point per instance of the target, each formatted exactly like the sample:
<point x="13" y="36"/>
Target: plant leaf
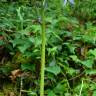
<point x="53" y="69"/>
<point x="51" y="93"/>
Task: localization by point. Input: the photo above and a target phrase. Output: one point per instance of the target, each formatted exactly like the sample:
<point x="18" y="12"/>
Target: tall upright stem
<point x="42" y="54"/>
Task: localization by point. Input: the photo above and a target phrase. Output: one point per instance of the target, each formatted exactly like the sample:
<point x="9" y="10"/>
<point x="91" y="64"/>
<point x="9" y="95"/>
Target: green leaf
<point x="60" y="88"/>
<point x="31" y="39"/>
<point x="26" y="67"/>
<point x="71" y="71"/>
<point x="51" y="93"/>
<point x="52" y="51"/>
<point x="6" y="69"/>
<point x="88" y="63"/>
<point x="91" y="72"/>
<point x="53" y="62"/>
<point x="92" y="52"/>
<point x="94" y="93"/>
<point x="75" y="58"/>
<point x="53" y="69"/>
<point x="2" y="42"/>
<point x="37" y="41"/>
<point x="24" y="47"/>
<point x="17" y="41"/>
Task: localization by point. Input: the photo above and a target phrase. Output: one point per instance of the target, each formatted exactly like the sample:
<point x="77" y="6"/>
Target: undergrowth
<point x="70" y="48"/>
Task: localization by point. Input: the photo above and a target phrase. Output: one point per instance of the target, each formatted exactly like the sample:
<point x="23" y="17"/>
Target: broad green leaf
<point x="92" y="52"/>
<point x="51" y="93"/>
<point x="60" y="88"/>
<point x="52" y="51"/>
<point x="53" y="69"/>
<point x="31" y="39"/>
<point x="2" y="42"/>
<point x="17" y="42"/>
<point x="24" y="47"/>
<point x="37" y="41"/>
<point x="71" y="71"/>
<point x="53" y="62"/>
<point x="91" y="72"/>
<point x="27" y="67"/>
<point x="75" y="58"/>
<point x="88" y="63"/>
<point x="94" y="93"/>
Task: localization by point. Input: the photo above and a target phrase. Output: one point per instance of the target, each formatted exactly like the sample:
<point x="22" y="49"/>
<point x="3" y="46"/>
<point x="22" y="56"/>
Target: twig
<point x="81" y="89"/>
<point x="77" y="76"/>
<point x="21" y="86"/>
<point x="25" y="91"/>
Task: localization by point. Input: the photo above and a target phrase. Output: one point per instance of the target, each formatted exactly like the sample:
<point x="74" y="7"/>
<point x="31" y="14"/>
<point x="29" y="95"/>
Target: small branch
<point x="81" y="89"/>
<point x="77" y="76"/>
<point x="25" y="91"/>
<point x="21" y="86"/>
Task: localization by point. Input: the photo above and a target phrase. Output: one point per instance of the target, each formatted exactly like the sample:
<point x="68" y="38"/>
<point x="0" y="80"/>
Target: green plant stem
<point x="81" y="88"/>
<point x="42" y="54"/>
